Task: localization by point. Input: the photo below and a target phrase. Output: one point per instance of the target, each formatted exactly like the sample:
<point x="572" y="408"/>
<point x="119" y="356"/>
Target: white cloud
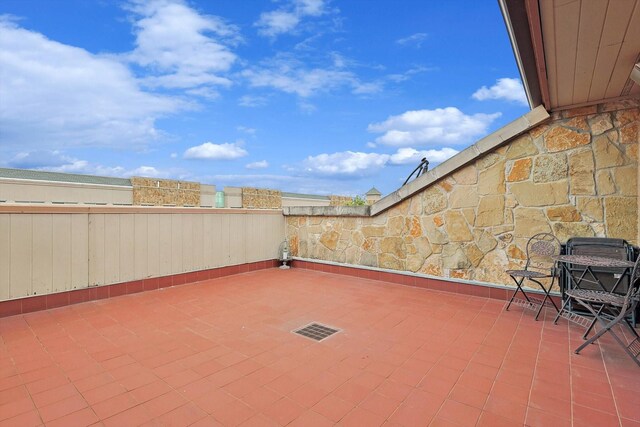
<point x="442" y="126"/>
<point x="252" y="101"/>
<point x="247" y="130"/>
<point x="257" y="165"/>
<point x="210" y="151"/>
<point x="505" y="88"/>
<point x="414" y="39"/>
<point x="276" y="22"/>
<point x="291" y="76"/>
<point x="185" y="48"/>
<point x="55" y="95"/>
<point x="412" y="156"/>
<point x="345" y="164"/>
<point x="287" y="18"/>
<point x="401" y="77"/>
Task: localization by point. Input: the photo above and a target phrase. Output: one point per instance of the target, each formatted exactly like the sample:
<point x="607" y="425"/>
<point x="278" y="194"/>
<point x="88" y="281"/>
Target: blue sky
<point x="312" y="96"/>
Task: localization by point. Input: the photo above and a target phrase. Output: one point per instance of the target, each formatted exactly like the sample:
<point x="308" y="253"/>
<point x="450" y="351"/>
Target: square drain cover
<point x="316" y="331"/>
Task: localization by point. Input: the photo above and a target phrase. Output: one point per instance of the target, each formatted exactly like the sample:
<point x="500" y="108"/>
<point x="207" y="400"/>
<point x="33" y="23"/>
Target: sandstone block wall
<point x="256" y="198"/>
<point x="339" y="200"/>
<point x="161" y="192"/>
<point x="576" y="175"/>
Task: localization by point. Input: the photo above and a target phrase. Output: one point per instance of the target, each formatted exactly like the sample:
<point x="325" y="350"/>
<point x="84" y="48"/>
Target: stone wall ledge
<point x="451" y="280"/>
<point x="490" y="142"/>
<point x="357" y="211"/>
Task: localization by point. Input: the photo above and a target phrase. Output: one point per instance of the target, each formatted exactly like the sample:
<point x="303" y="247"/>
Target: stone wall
<point x="256" y="198"/>
<point x="161" y="192"/>
<point x="576" y="175"/>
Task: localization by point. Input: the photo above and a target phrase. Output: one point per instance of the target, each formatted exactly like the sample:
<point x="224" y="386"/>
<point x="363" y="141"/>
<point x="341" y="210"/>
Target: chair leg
<point x="564" y="304"/>
<point x="546" y="298"/>
<point x="518" y="288"/>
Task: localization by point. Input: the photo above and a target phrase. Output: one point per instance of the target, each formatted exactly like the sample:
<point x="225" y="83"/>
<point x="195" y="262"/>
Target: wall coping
<point x="424" y="276"/>
<point x="489" y="143"/>
<point x="111" y="209"/>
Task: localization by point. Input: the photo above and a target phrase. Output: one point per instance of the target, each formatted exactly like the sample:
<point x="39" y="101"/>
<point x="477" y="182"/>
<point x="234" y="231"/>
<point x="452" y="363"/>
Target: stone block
<point x="394" y="246"/>
<point x="434" y="200"/>
<point x="567" y="213"/>
<point x="550" y="193"/>
<point x="550" y="167"/>
<point x="520" y="170"/>
<point x="463" y="196"/>
<point x="330" y="239"/>
<point x="600" y="123"/>
<point x="626" y="180"/>
<point x="582" y="183"/>
<point x="390" y="262"/>
<point x="373" y="231"/>
<point x="490" y="211"/>
<point x="630" y="134"/>
<point x="454" y="257"/>
<point x="561" y="139"/>
<point x="523" y="146"/>
<point x="621" y="217"/>
<point x="606" y="152"/>
<point x="491" y="179"/>
<point x="529" y="221"/>
<point x="604" y="182"/>
<point x="566" y="230"/>
<point x="456" y="227"/>
<point x="466" y="176"/>
<point x="590" y="208"/>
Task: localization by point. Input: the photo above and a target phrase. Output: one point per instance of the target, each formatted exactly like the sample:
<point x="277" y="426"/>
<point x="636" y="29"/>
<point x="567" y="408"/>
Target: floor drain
<point x="316" y="331"/>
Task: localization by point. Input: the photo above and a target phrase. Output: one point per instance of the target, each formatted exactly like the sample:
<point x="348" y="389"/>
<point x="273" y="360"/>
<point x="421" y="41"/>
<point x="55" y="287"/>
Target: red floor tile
<point x="221" y="352"/>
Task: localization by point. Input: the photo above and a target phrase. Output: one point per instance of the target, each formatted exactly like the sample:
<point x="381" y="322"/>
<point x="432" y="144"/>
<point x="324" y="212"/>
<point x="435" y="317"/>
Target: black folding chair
<point x="541" y="250"/>
<point x="610" y="309"/>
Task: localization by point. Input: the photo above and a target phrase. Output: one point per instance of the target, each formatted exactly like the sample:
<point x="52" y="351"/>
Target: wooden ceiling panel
<point x="548" y="33"/>
<point x="628" y="55"/>
<point x="567" y="21"/>
<point x="592" y="15"/>
<point x="615" y="27"/>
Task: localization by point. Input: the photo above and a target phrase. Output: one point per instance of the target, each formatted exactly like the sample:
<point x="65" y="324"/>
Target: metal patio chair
<point x="541" y="250"/>
<point x="610" y="309"/>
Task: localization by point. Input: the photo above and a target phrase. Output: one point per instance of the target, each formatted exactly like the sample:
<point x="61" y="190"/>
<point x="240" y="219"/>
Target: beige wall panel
<point x="96" y="249"/>
<point x="112" y="248"/>
<point x="197" y="240"/>
<point x="237" y="238"/>
<point x="253" y="240"/>
<point x="80" y="251"/>
<point x="166" y="245"/>
<point x="176" y="244"/>
<point x="207" y="241"/>
<point x="61" y="256"/>
<point x="5" y="255"/>
<point x="153" y="245"/>
<point x="141" y="245"/>
<point x="221" y="238"/>
<point x="592" y="14"/>
<point x="187" y="243"/>
<point x="615" y="27"/>
<point x="127" y="247"/>
<point x="566" y="28"/>
<point x="42" y="263"/>
<point x="21" y="255"/>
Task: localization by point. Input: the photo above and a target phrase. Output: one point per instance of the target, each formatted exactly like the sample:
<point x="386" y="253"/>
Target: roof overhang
<point x="573" y="53"/>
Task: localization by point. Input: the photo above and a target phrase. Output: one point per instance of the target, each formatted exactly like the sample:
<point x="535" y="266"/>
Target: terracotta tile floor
<point x="221" y="352"/>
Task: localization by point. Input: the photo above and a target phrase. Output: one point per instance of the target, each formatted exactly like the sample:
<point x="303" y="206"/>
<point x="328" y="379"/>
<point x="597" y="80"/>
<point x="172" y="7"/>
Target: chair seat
<point x="526" y="273"/>
<point x="597" y="297"/>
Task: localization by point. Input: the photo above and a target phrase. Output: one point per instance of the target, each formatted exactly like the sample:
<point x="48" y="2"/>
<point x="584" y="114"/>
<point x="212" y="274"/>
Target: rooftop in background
<point x="62" y="177"/>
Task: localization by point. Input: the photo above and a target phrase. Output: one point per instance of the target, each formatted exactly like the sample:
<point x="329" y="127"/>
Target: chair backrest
<point x="541" y="250"/>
